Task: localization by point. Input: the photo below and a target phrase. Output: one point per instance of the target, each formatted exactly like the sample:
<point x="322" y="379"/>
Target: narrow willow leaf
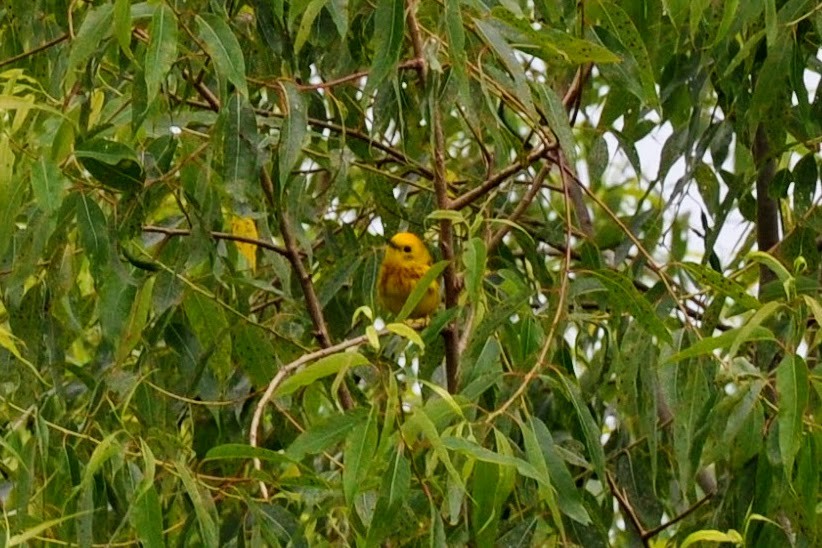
<point x="112" y="163"/>
<point x="486" y="455"/>
<point x="146" y="516"/>
<point x="325" y="434"/>
<point x="619" y="23"/>
<point x="755" y="321"/>
<point x="712" y="535"/>
<point x="704" y="275"/>
<point x="309" y="15"/>
<point x="293" y="132"/>
<point x="122" y="25"/>
<point x="725" y="340"/>
<point x="162" y="49"/>
<point x="407" y="332"/>
<point x="536" y="458"/>
<point x="552" y="43"/>
<point x="93" y="230"/>
<point x="474" y="258"/>
<point x="389" y="31"/>
<point x="48" y="184"/>
<point x="245" y="451"/>
<point x="358" y="457"/>
<point x="224" y="50"/>
<point x="420" y="289"/>
<point x="330" y="365"/>
<point x="505" y="52"/>
<point x="558" y="122"/>
<point x="203" y="507"/>
<point x="11" y="194"/>
<point x="101" y="454"/>
<point x="792" y="387"/>
<point x="240" y="141"/>
<point x="568" y="497"/>
<point x="590" y="430"/>
<point x="210" y="325"/>
<point x="393" y="493"/>
<point x="623" y="294"/>
<point x="96" y="27"/>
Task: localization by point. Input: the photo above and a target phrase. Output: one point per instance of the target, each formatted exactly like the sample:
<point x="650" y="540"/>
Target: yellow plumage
<point x="406" y="261"/>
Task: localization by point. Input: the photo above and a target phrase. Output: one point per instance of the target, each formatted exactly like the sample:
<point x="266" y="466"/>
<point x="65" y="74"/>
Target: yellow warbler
<point x="406" y="261"/>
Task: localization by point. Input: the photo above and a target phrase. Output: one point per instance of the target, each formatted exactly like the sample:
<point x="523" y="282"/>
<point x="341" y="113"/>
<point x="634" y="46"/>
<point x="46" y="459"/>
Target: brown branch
<point x="217" y="236"/>
<point x="416" y="40"/>
<point x="204" y="91"/>
<point x="661" y="527"/>
<point x="294" y="257"/>
<point x="34" y="51"/>
<point x="627" y="509"/>
<point x="451" y="332"/>
<point x="497" y="179"/>
<point x="767" y="211"/>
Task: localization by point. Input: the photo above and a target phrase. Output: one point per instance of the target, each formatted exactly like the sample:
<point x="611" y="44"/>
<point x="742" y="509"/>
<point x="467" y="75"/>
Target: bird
<point x="406" y="260"/>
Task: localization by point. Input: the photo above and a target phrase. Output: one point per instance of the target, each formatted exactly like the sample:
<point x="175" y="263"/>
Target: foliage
<point x="191" y="201"/>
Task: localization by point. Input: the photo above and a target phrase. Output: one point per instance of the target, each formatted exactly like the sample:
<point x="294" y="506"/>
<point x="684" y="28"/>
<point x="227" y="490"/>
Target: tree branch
<point x="218" y="236"/>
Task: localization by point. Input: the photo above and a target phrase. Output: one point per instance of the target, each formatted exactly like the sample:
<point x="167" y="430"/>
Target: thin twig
<point x="218" y="236"/>
<point x="522" y="207"/>
<point x="278" y="379"/>
<point x="627" y="509"/>
<point x="294" y="256"/>
<point x="661" y="527"/>
<point x="34" y="51"/>
<point x="498" y="178"/>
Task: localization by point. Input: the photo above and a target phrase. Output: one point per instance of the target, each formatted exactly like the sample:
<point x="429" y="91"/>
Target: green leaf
<point x="393" y="494"/>
<point x="96" y="27"/>
<point x="568" y="497"/>
<point x="725" y="340"/>
<point x="407" y="332"/>
<point x="322" y="368"/>
<point x="711" y="535"/>
<point x="240" y="147"/>
<point x="792" y="388"/>
<point x="474" y="258"/>
<point x="210" y="325"/>
<point x="146" y="516"/>
<point x="105" y="450"/>
<point x="558" y="122"/>
<point x="11" y="195"/>
<point x="48" y="184"/>
<point x="162" y="49"/>
<point x="113" y="164"/>
<point x="293" y="132"/>
<point x="618" y="23"/>
<point x="536" y="458"/>
<point x="478" y="452"/>
<point x="591" y="432"/>
<point x="551" y="42"/>
<point x="705" y="275"/>
<point x="254" y="352"/>
<point x="224" y="49"/>
<point x="420" y="289"/>
<point x="93" y="230"/>
<point x="203" y="507"/>
<point x="623" y="295"/>
<point x="325" y="434"/>
<point x="358" y="457"/>
<point x="389" y="32"/>
<point x="496" y="42"/>
<point x="309" y="15"/>
<point x="245" y="452"/>
<point x="754" y="322"/>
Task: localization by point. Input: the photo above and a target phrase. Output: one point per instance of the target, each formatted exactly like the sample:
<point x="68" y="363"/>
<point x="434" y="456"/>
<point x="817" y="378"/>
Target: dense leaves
<point x="622" y="199"/>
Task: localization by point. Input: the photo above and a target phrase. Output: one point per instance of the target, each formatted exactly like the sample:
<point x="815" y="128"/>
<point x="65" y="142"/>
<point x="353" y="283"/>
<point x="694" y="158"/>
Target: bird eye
<point x="407" y="249"/>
